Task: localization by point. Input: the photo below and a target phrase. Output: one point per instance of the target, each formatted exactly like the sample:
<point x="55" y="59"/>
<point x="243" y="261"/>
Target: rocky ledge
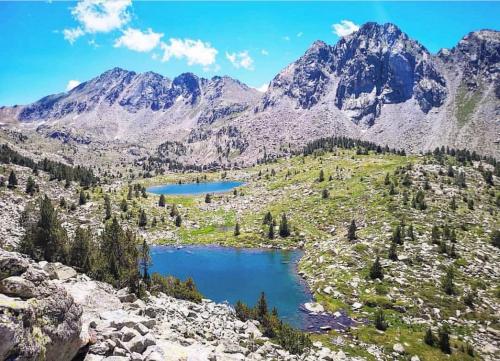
<point x="49" y="311"/>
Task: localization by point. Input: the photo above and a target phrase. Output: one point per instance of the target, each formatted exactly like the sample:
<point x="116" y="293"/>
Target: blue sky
<point x="48" y="47"/>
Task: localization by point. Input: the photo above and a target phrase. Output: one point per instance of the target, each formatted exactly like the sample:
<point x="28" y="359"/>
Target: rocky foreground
<point x="49" y="311"/>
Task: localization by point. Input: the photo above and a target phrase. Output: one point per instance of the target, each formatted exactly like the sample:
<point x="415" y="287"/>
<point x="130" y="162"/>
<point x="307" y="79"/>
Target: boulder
<point x="12" y="264"/>
<point x="18" y="287"/>
<point x="314" y="307"/>
<point x="59" y="271"/>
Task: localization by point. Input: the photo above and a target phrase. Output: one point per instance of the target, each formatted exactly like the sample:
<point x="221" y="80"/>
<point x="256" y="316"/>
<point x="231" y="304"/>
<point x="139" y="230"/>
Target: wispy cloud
<point x="136" y="40"/>
<point x="299" y="34"/>
<point x="72" y="84"/>
<point x="264" y="52"/>
<point x="72" y="34"/>
<point x="344" y="28"/>
<point x="194" y="51"/>
<point x="240" y="60"/>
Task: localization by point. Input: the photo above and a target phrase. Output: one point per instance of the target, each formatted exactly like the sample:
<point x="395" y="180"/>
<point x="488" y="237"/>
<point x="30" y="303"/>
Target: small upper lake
<point x="231" y="274"/>
<point x="194" y="188"/>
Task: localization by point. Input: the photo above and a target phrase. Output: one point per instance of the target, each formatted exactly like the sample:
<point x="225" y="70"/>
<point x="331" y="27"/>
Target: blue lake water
<point x="231" y="274"/>
<point x="194" y="188"/>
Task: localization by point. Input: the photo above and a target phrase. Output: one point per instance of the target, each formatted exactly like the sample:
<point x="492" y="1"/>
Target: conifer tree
<point x="447" y="281"/>
<point x="387" y="180"/>
<point x="82" y="198"/>
<point x="410" y="233"/>
<point x="237" y="229"/>
<point x="268" y="218"/>
<point x="145" y="261"/>
<point x="453" y="204"/>
<point x="173" y="211"/>
<point x="380" y="323"/>
<point x="261" y="307"/>
<point x="397" y="236"/>
<point x="161" y="201"/>
<point x="376" y="270"/>
<point x="435" y="234"/>
<point x="124" y="205"/>
<point x="325" y="194"/>
<point x="107" y="207"/>
<point x="30" y="186"/>
<point x="270" y="233"/>
<point x="321" y="177"/>
<point x="351" y="232"/>
<point x="284" y="229"/>
<point x="130" y="194"/>
<point x="82" y="255"/>
<point x="444" y="340"/>
<point x="393" y="256"/>
<point x="178" y="220"/>
<point x="495" y="238"/>
<point x="143" y="219"/>
<point x="12" y="182"/>
<point x="460" y="180"/>
<point x="429" y="337"/>
<point x="208" y="198"/>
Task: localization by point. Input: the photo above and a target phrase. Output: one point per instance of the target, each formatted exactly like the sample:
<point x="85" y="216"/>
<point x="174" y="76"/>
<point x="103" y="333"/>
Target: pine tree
<point x="380" y="323"/>
<point x="410" y="233"/>
<point x="30" y="186"/>
<point x="447" y="281"/>
<point x="208" y="198"/>
<point x="145" y="261"/>
<point x="161" y="201"/>
<point x="268" y="218"/>
<point x="321" y="177"/>
<point x="82" y="198"/>
<point x="237" y="229"/>
<point x="495" y="238"/>
<point x="12" y="182"/>
<point x="81" y="254"/>
<point x="129" y="194"/>
<point x="261" y="307"/>
<point x="444" y="340"/>
<point x="435" y="235"/>
<point x="470" y="204"/>
<point x="107" y="207"/>
<point x="124" y="205"/>
<point x="453" y="203"/>
<point x="429" y="338"/>
<point x="460" y="180"/>
<point x="351" y="232"/>
<point x="325" y="194"/>
<point x="387" y="180"/>
<point x="393" y="252"/>
<point x="284" y="229"/>
<point x="397" y="236"/>
<point x="46" y="239"/>
<point x="270" y="233"/>
<point x="143" y="219"/>
<point x="178" y="220"/>
<point x="376" y="270"/>
<point x="173" y="211"/>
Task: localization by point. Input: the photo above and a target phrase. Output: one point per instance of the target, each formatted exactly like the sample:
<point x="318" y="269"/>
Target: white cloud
<point x="72" y="34"/>
<point x="263" y="88"/>
<point x="72" y="84"/>
<point x="137" y="40"/>
<point x="102" y="16"/>
<point x="286" y="38"/>
<point x="299" y="34"/>
<point x="344" y="28"/>
<point x="240" y="60"/>
<point x="264" y="52"/>
<point x="98" y="16"/>
<point x="195" y="51"/>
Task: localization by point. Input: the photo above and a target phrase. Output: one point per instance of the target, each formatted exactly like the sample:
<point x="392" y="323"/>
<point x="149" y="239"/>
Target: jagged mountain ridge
<point x="376" y="84"/>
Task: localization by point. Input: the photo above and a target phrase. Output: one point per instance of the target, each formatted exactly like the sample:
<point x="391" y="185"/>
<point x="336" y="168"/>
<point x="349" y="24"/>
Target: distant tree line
<point x="330" y="143"/>
<point x="56" y="170"/>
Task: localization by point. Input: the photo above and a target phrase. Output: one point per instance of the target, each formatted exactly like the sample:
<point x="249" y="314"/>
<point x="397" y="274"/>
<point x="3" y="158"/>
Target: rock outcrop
<point x="49" y="312"/>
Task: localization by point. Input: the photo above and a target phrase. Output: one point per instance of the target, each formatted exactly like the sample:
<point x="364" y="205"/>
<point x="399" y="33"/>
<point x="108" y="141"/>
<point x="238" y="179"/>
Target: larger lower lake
<point x="194" y="188"/>
<point x="231" y="274"/>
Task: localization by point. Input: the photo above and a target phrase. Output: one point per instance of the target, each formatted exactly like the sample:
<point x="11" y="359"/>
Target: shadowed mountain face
<point x="376" y="84"/>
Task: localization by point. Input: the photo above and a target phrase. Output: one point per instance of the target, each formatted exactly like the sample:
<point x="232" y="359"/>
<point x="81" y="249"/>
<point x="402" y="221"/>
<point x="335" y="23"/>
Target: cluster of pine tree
<point x="329" y="144"/>
<point x="117" y="256"/>
<point x="56" y="170"/>
<point x="284" y="229"/>
<point x="291" y="339"/>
